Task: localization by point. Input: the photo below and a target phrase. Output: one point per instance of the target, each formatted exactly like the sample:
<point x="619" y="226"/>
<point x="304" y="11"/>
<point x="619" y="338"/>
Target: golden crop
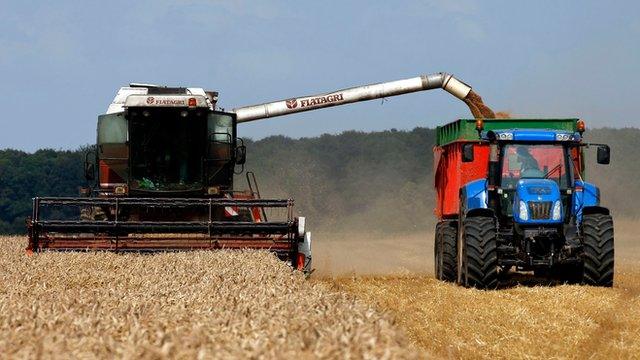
<point x="179" y="305"/>
<point x="249" y="304"/>
<point x="526" y="319"/>
<point x="538" y="322"/>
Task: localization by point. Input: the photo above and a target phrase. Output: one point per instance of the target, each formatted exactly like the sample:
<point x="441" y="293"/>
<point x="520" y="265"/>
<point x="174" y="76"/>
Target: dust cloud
<point x="412" y="254"/>
<point x="525" y="320"/>
<point x="372" y="254"/>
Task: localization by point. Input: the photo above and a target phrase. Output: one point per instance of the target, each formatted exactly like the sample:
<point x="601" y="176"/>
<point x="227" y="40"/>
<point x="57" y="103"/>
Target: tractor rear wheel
<point x="597" y="232"/>
<point x="479" y="253"/>
<point x="445" y="258"/>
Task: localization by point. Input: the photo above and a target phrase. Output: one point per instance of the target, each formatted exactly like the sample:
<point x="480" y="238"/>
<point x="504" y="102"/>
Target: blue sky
<point x="61" y="62"/>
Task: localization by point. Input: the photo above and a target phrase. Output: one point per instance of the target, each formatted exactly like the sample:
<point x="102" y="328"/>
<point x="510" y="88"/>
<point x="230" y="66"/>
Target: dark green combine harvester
<point x="165" y="160"/>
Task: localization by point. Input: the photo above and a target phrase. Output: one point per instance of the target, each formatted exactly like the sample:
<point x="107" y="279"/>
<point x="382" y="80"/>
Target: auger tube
<point x="356" y="94"/>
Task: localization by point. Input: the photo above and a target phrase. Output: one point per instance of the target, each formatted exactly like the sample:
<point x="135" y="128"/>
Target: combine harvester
<point x="511" y="194"/>
<point x="166" y="159"/>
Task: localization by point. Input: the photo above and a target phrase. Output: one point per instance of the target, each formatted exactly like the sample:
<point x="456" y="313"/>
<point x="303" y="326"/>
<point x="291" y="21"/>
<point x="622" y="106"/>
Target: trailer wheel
<point x="597" y="231"/>
<point x="446" y="267"/>
<point x="479" y="257"/>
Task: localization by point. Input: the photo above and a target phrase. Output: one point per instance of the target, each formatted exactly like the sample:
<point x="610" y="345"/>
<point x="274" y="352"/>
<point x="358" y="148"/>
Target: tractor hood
<point x="537" y="201"/>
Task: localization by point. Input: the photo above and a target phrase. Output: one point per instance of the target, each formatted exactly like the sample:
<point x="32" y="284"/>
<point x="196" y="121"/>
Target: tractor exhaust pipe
<point x="367" y="92"/>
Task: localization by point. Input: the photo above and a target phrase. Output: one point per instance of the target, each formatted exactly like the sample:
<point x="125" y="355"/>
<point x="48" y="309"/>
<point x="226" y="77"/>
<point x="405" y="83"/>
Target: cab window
<point x="529" y="161"/>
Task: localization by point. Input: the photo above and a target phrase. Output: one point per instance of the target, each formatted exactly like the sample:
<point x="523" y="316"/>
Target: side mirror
<point x="604" y="154"/>
<point x="241" y="155"/>
<point x="89" y="171"/>
<point x="467" y="152"/>
<point x="89" y="167"/>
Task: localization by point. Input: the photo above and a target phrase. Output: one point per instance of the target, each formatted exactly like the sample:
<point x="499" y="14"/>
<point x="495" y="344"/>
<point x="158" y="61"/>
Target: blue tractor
<point x="531" y="210"/>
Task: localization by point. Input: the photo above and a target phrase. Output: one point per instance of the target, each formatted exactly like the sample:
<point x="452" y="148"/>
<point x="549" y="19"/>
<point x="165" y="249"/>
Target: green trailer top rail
<point x="465" y="129"/>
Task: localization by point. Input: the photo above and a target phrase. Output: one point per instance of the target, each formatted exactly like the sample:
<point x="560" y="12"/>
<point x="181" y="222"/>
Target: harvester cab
<point x="522" y="203"/>
<point x="165" y="160"/>
<point x="167" y="142"/>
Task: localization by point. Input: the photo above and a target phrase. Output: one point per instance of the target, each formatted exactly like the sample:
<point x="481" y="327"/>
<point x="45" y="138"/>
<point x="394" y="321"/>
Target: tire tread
<point x="598" y="245"/>
<point x="481" y="254"/>
<point x="446" y="244"/>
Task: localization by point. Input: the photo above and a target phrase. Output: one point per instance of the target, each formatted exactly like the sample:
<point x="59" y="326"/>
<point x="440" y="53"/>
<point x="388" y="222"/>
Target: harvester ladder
<point x="253" y="182"/>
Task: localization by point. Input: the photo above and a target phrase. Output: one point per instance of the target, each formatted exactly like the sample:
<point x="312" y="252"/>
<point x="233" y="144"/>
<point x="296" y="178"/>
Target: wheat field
<point x="537" y="322"/>
<point x="244" y="304"/>
<point x="526" y="319"/>
<point x="371" y="297"/>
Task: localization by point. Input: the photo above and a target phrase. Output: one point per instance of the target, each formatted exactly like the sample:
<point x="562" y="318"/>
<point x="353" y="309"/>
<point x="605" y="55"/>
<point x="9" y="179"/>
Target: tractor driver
<point x="529" y="167"/>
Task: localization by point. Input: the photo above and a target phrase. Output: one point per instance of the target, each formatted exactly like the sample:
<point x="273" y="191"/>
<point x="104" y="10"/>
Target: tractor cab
<point x="535" y="174"/>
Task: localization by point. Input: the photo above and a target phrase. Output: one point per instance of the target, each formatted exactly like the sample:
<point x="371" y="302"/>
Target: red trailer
<point x="451" y="174"/>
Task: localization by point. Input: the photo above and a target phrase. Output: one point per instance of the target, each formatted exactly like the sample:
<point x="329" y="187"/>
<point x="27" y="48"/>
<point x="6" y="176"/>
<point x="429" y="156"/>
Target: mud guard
<point x="304" y="251"/>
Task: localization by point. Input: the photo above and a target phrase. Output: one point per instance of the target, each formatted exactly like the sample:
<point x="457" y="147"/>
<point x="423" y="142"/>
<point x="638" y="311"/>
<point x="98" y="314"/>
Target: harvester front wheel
<point x="597" y="232"/>
<point x="446" y="267"/>
<point x="479" y="254"/>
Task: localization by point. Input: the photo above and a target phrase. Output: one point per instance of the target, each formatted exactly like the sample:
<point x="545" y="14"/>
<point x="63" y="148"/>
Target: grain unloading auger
<point x="166" y="159"/>
<point x="368" y="92"/>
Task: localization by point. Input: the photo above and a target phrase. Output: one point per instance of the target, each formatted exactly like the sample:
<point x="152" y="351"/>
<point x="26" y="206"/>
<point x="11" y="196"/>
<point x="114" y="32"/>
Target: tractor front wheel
<point x="479" y="253"/>
<point x="597" y="232"/>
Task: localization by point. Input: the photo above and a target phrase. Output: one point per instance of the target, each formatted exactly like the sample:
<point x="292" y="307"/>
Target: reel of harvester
<point x="166" y="224"/>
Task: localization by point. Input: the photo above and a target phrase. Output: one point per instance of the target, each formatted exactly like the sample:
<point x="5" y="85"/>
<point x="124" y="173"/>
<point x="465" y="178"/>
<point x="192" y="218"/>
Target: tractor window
<point x="539" y="161"/>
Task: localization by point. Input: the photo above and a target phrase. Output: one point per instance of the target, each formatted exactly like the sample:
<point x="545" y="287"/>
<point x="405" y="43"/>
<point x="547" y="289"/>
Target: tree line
<point x="375" y="181"/>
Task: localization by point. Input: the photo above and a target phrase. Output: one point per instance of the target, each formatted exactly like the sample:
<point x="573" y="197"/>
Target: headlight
<point x="506" y="136"/>
<point x="524" y="214"/>
<point x="557" y="210"/>
<point x="301" y="226"/>
<point x="563" y="137"/>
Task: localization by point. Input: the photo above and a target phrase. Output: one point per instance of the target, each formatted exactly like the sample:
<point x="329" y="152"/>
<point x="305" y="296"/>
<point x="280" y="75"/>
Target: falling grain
<point x="477" y="106"/>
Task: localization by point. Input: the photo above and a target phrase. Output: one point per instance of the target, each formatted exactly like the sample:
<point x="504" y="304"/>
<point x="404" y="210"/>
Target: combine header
<point x="165" y="160"/>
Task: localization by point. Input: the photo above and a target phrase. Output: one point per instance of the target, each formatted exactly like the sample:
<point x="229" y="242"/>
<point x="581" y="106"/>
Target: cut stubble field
<point x="371" y="297"/>
<point x="524" y="319"/>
